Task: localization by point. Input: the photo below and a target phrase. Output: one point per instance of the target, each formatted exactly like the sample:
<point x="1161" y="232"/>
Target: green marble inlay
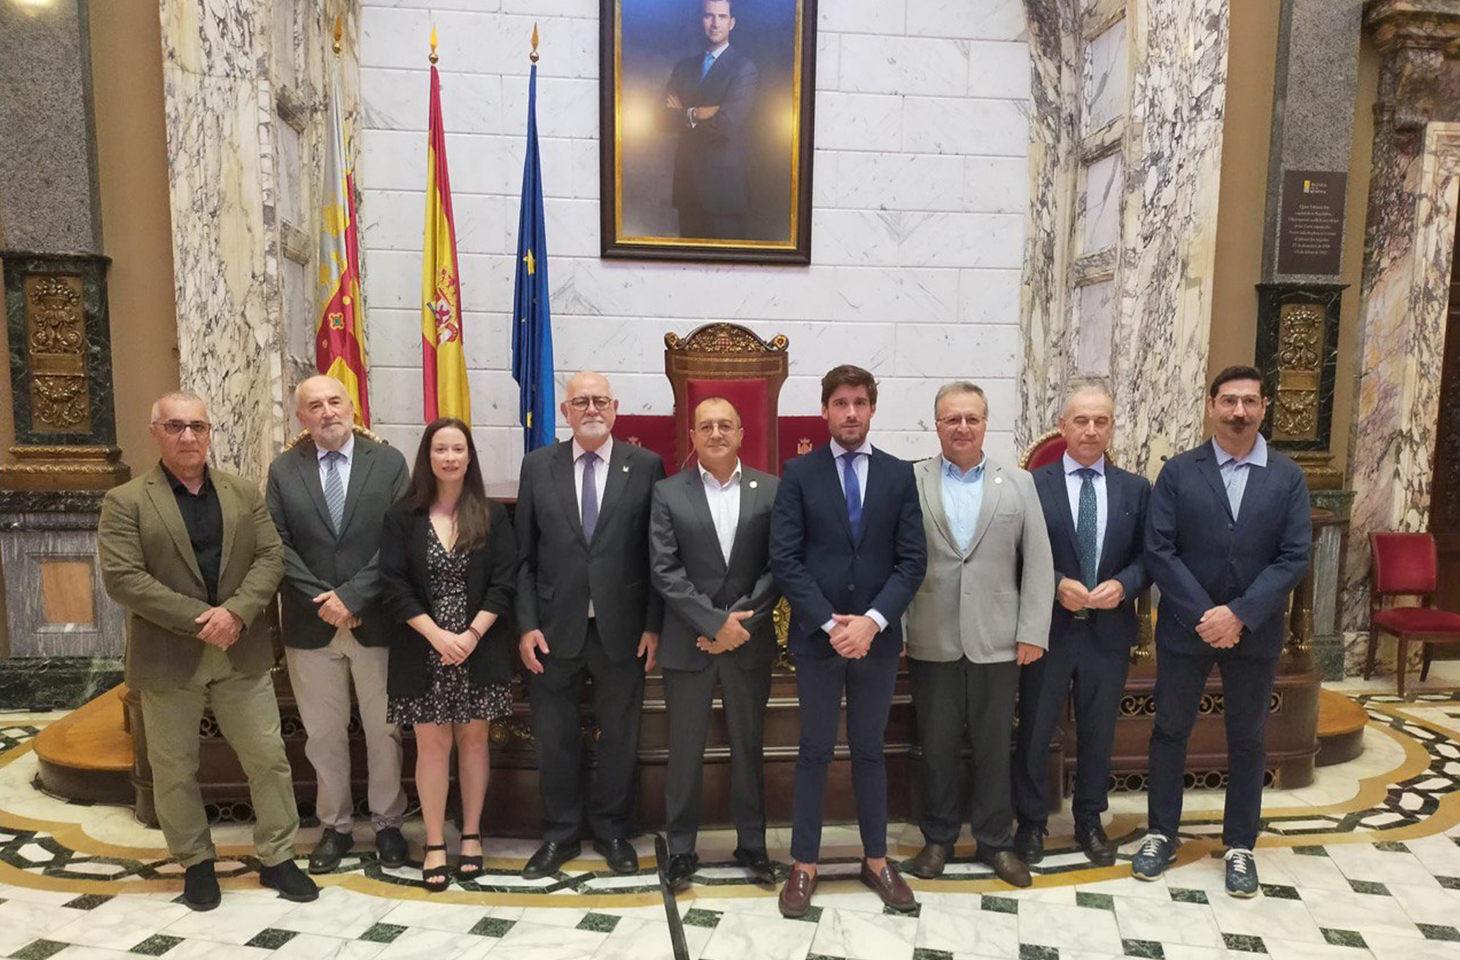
<point x="709" y="919"/>
<point x="1449" y="883"/>
<point x="1095" y="901"/>
<point x="1310" y="851"/>
<point x="1032" y="951"/>
<point x="598" y="922"/>
<point x="156" y="945"/>
<point x="916" y="911"/>
<point x="383" y="933"/>
<point x="492" y="927"/>
<point x="1185" y="895"/>
<point x="1277" y="891"/>
<point x="38" y="950"/>
<point x="1434" y="931"/>
<point x="999" y="905"/>
<point x="88" y="901"/>
<point x="271" y="938"/>
<point x="1391" y="846"/>
<point x="1345" y="938"/>
<point x="1149" y="949"/>
<point x="1241" y="941"/>
<point x="1369" y="886"/>
<point x="923" y="953"/>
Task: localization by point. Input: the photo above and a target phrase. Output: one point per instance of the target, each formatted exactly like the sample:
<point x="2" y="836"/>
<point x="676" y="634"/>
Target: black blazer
<point x="1200" y="557"/>
<point x="1121" y="553"/>
<point x="491" y="577"/>
<point x="823" y="571"/>
<point x="316" y="559"/>
<point x="710" y="168"/>
<point x="561" y="570"/>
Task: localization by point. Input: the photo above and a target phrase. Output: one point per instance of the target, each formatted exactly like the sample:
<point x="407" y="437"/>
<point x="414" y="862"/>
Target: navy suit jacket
<point x="1200" y="557"/>
<point x="710" y="165"/>
<point x="822" y="570"/>
<point x="1121" y="552"/>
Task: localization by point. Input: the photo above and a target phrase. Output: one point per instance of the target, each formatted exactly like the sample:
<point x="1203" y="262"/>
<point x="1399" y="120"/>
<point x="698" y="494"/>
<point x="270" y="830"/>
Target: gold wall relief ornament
<point x="725" y="338"/>
<point x="56" y="321"/>
<point x="1300" y="337"/>
<point x="59" y="402"/>
<point x="1295" y="415"/>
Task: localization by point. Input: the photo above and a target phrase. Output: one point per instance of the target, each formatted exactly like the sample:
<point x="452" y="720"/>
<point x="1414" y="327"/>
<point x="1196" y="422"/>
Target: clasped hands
<point x="1219" y="627"/>
<point x="219" y="627"/>
<point x="332" y="610"/>
<point x="1074" y="596"/>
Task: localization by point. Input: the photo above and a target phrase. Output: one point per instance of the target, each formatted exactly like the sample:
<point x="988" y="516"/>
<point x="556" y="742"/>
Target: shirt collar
<point x="718" y="50"/>
<point x="1257" y="457"/>
<point x="604" y="452"/>
<point x="975" y="472"/>
<point x="179" y="487"/>
<point x="709" y="478"/>
<point x="347" y="451"/>
<point x="837" y="449"/>
<point x="1071" y="464"/>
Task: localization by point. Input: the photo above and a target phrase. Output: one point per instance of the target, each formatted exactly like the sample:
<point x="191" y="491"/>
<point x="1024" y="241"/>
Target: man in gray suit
<point x="709" y="547"/>
<point x="328" y="497"/>
<point x="983" y="612"/>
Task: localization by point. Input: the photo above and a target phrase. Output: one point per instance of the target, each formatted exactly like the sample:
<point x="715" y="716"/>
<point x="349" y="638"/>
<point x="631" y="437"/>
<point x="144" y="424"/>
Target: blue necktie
<point x="590" y="495"/>
<point x="334" y="488"/>
<point x="709" y="62"/>
<point x="854" y="492"/>
<point x="1085" y="525"/>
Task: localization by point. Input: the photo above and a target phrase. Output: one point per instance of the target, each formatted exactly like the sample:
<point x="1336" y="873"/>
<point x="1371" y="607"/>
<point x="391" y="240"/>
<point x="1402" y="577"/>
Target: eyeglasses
<point x="1229" y="401"/>
<point x="710" y="427"/>
<point x="175" y="428"/>
<point x="581" y="403"/>
<point x="953" y="423"/>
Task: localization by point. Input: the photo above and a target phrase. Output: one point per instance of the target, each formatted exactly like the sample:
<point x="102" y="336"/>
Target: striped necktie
<point x="334" y="488"/>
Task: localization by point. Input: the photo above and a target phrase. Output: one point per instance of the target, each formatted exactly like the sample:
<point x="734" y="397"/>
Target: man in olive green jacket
<point x="194" y="557"/>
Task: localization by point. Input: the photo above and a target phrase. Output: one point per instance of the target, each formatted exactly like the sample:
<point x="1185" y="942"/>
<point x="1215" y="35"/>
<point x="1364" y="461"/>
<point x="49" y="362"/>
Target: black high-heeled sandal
<point x="435" y="879"/>
<point x="475" y="863"/>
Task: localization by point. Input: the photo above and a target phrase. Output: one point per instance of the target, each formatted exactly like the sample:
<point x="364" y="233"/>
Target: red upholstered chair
<point x="1405" y="564"/>
<point x="730" y="361"/>
<point x="654" y="433"/>
<point x="1045" y="449"/>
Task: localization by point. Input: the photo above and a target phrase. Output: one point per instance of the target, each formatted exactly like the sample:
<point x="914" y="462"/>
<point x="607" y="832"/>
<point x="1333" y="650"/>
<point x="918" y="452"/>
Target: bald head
<point x="324" y="408"/>
<point x="590" y="408"/>
<point x="1088" y="424"/>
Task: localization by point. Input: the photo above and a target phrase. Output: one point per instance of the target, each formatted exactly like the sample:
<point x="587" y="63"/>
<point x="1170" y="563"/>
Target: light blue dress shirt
<point x="1234" y="470"/>
<point x="962" y="499"/>
<point x="1073" y="482"/>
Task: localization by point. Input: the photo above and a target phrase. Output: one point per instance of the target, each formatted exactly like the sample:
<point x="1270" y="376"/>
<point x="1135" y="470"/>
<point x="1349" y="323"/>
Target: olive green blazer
<point x="148" y="566"/>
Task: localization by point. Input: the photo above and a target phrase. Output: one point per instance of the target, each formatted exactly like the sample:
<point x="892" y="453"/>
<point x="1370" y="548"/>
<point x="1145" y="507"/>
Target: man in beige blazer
<point x="193" y="555"/>
<point x="983" y="611"/>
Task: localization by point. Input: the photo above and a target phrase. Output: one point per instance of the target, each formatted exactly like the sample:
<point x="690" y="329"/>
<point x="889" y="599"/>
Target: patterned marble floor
<point x="1365" y="863"/>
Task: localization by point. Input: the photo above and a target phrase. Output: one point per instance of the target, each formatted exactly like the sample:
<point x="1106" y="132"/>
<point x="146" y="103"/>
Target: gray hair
<point x="299" y="387"/>
<point x="185" y="395"/>
<point x="1087" y="390"/>
<point x="959" y="386"/>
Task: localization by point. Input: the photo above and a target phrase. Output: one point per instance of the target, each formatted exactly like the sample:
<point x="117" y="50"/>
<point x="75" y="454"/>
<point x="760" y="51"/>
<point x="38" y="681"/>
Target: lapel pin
<point x="998" y="479"/>
<point x="626" y="468"/>
<point x="752" y="484"/>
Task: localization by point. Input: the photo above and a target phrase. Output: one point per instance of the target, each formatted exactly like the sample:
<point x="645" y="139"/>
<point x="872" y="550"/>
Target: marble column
<point x="1408" y="251"/>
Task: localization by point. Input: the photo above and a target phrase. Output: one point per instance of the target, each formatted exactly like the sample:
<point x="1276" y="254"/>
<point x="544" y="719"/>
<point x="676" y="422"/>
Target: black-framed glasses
<point x="581" y="403"/>
<point x="175" y="428"/>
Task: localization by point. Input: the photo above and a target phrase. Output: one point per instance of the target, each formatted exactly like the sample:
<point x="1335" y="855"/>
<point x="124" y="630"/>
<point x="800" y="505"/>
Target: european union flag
<point x="532" y="328"/>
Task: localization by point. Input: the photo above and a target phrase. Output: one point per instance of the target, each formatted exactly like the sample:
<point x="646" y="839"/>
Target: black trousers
<point x="618" y="698"/>
<point x="689" y="696"/>
<point x="1247" y="691"/>
<point x="954" y="700"/>
<point x="697" y="223"/>
<point x="1097" y="674"/>
<point x="820" y="682"/>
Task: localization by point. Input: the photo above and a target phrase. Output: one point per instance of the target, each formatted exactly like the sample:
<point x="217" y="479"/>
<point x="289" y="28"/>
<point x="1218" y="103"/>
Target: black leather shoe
<point x="930" y="861"/>
<point x="1029" y="842"/>
<point x="291" y="882"/>
<point x="333" y="845"/>
<point x="680" y="868"/>
<point x="549" y="858"/>
<point x="762" y="868"/>
<point x="391" y="848"/>
<point x="619" y="853"/>
<point x="1097" y="846"/>
<point x="200" y="887"/>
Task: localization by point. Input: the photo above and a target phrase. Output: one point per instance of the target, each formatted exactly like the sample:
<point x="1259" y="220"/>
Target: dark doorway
<point x="1445" y="487"/>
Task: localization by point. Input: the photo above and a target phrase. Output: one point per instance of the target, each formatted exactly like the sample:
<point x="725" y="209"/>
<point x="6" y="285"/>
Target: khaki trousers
<point x="321" y="680"/>
<point x="248" y="717"/>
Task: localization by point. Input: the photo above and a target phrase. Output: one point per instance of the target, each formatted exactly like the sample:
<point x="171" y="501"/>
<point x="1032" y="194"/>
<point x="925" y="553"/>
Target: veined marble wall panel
<point x="1407" y="262"/>
<point x="921" y="184"/>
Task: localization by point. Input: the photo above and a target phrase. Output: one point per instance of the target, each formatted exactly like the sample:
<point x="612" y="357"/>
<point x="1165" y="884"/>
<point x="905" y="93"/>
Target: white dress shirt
<point x="1073" y="482"/>
<point x="724" y="504"/>
<point x="342" y="467"/>
<point x="859" y="465"/>
<point x="600" y="482"/>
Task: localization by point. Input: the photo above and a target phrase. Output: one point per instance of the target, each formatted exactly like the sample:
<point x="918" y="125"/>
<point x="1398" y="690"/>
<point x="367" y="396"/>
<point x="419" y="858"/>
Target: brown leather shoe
<point x="1008" y="866"/>
<point x="888" y="884"/>
<point x="930" y="861"/>
<point x="795" y="898"/>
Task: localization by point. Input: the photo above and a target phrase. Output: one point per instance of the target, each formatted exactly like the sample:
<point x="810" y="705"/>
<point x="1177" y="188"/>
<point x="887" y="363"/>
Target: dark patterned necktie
<point x="1085" y="524"/>
<point x="590" y="495"/>
<point x="854" y="492"/>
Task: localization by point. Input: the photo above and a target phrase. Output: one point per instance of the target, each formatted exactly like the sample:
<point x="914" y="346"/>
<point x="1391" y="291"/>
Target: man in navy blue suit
<point x="1096" y="514"/>
<point x="1228" y="536"/>
<point x="847" y="548"/>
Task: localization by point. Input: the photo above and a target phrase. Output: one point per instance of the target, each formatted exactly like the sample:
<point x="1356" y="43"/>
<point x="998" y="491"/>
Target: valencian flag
<point x="443" y="358"/>
<point x="532" y="329"/>
<point x="339" y="341"/>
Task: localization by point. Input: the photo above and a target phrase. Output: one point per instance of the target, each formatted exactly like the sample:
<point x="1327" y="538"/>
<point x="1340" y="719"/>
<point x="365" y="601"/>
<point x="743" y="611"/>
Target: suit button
<point x="851" y="587"/>
<point x="1231" y="526"/>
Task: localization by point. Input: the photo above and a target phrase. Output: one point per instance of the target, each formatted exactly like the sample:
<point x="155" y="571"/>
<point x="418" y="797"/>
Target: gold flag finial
<point x="339" y="33"/>
<point x="533" y="56"/>
<point x="433" y="43"/>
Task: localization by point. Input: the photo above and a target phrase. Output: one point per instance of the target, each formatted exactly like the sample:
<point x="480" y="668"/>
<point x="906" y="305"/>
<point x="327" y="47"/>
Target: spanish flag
<point x="443" y="358"/>
<point x="339" y="341"/>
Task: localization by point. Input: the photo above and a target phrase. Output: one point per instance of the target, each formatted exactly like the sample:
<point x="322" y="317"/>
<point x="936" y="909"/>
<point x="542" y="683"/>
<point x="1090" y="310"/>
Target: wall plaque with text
<point x="1310" y="235"/>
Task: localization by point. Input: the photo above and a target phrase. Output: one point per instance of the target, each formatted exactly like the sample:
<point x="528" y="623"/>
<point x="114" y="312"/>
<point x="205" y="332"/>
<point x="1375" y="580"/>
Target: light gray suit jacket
<point x="980" y="602"/>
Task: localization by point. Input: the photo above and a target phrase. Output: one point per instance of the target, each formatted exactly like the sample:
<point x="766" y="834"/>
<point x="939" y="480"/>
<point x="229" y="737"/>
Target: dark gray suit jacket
<point x="698" y="587"/>
<point x="561" y="570"/>
<point x="315" y="558"/>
